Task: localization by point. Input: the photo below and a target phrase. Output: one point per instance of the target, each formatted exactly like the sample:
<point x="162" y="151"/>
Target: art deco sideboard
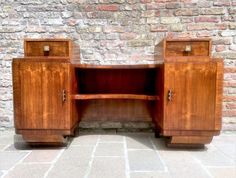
<point x="181" y="92"/>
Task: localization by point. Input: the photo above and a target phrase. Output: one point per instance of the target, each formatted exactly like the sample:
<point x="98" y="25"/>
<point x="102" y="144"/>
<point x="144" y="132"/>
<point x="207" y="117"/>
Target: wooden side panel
<point x="193" y="90"/>
<point x="74" y="112"/>
<point x="159" y="104"/>
<point x="55" y="78"/>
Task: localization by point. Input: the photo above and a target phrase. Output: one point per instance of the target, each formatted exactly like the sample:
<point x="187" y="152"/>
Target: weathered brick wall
<point x="118" y="31"/>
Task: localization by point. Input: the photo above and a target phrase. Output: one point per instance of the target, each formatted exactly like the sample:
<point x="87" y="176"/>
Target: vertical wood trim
<point x="210" y="47"/>
<point x="16" y="93"/>
<point x="219" y="93"/>
<point x="25" y="48"/>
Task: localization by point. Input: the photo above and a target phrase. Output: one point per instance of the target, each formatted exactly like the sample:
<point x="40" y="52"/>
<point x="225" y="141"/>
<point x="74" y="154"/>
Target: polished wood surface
<point x="193" y="87"/>
<point x="57" y="47"/>
<point x="177" y="48"/>
<point x="174" y="50"/>
<point x="41" y="87"/>
<point x="117" y="110"/>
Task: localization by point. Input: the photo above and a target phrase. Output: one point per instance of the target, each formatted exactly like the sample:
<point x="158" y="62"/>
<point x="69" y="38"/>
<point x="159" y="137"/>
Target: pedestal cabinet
<point x="42" y="108"/>
<point x="181" y="93"/>
<point x="190" y="110"/>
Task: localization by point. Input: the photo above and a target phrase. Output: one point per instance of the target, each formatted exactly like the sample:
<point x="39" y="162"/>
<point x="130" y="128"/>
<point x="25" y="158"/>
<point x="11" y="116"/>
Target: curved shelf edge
<point x="114" y="96"/>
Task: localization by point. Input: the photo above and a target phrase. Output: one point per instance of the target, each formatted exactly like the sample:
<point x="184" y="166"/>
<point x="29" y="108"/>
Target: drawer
<point x="193" y="47"/>
<point x="47" y="47"/>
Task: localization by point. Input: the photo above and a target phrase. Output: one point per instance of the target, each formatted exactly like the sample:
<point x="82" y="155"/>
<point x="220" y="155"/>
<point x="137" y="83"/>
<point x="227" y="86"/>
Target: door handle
<point x="170" y="95"/>
<point x="63" y="96"/>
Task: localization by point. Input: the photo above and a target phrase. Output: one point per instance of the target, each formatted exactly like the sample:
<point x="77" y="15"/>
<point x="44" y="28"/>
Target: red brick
<point x="186" y="12"/>
<point x="202" y="26"/>
<point x="229" y="113"/>
<point x="204" y="34"/>
<point x="142" y="57"/>
<point x="230" y="70"/>
<point x="230" y="18"/>
<point x="206" y="19"/>
<point x="155" y="6"/>
<point x="221" y="26"/>
<point x="220" y="48"/>
<point x="172" y="5"/>
<point x="222" y="3"/>
<point x="145" y="1"/>
<point x="164" y="1"/>
<point x="221" y="41"/>
<point x="232" y="10"/>
<point x="113" y="29"/>
<point x="229" y="84"/>
<point x="158" y="28"/>
<point x="229" y="98"/>
<point x="128" y="36"/>
<point x="111" y="7"/>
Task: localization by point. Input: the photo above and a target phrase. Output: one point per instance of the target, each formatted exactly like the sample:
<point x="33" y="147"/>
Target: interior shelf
<point x="127" y="66"/>
<point x="114" y="96"/>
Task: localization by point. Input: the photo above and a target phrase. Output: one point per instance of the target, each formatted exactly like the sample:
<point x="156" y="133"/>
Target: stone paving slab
<point x="19" y="146"/>
<point x="47" y="155"/>
<point x="109" y="149"/>
<point x="6" y="139"/>
<point x="73" y="162"/>
<point x="144" y="160"/>
<point x="182" y="164"/>
<point x="213" y="157"/>
<point x="150" y="175"/>
<point x="28" y="171"/>
<point x="104" y="167"/>
<point x="85" y="140"/>
<point x="2" y="147"/>
<point x="227" y="145"/>
<point x="111" y="138"/>
<point x="221" y="172"/>
<point x="76" y="155"/>
<point x="138" y="142"/>
<point x="67" y="170"/>
<point x="116" y="155"/>
<point x="9" y="159"/>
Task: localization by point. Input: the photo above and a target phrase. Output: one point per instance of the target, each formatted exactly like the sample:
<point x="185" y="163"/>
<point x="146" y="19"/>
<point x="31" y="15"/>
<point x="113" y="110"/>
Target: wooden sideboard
<point x="181" y="92"/>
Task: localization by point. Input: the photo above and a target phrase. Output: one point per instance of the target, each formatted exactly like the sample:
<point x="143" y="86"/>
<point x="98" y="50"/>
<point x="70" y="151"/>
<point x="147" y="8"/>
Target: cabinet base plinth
<point x="45" y="139"/>
<point x="189" y="141"/>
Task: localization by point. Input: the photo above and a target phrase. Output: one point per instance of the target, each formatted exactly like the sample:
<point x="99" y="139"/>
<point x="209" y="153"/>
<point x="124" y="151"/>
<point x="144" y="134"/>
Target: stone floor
<point x="116" y="155"/>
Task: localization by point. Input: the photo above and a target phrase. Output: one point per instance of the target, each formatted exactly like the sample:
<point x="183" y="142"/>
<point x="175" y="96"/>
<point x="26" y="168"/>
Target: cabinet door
<point x="38" y="95"/>
<point x="190" y="93"/>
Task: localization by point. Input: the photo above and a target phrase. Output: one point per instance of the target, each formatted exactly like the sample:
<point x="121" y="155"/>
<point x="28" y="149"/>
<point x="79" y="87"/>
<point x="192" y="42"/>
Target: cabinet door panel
<point x="192" y="87"/>
<point x="40" y="86"/>
<point x="55" y="84"/>
<point x="31" y="95"/>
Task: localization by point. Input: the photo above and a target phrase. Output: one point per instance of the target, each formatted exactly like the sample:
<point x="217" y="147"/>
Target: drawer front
<point x="187" y="48"/>
<point x="57" y="48"/>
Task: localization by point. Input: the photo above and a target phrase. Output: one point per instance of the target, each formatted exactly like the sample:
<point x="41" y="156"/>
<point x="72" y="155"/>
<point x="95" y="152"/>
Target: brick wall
<point x="118" y="31"/>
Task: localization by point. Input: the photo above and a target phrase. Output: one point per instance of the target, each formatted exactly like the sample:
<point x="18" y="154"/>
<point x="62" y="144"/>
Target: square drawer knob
<point x="188" y="48"/>
<point x="46" y="48"/>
